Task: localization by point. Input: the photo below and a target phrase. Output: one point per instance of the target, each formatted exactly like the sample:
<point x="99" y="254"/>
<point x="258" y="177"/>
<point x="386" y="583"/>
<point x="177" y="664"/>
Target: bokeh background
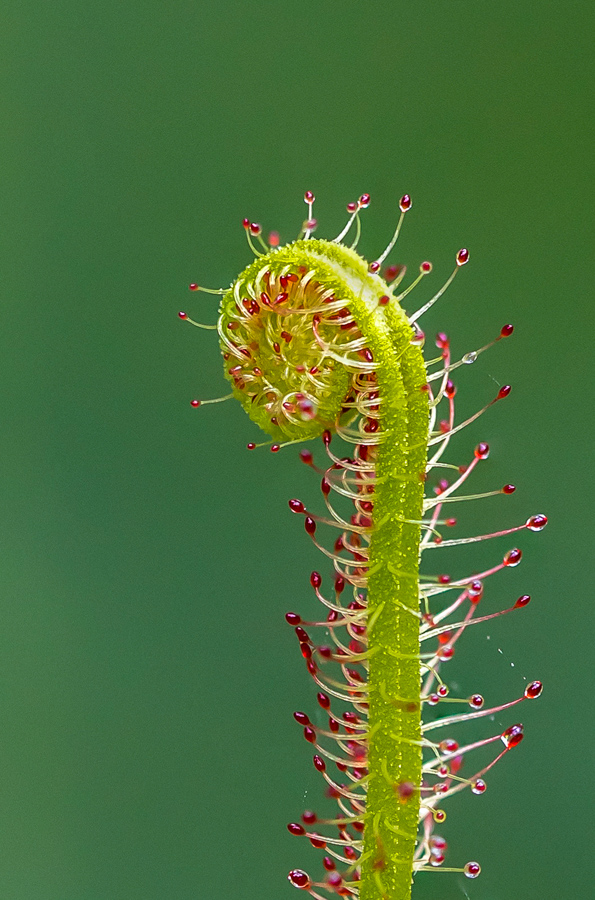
<point x="148" y="677"/>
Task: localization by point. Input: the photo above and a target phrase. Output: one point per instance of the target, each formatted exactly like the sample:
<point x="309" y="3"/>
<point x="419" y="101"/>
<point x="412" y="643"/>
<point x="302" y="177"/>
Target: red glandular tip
<point x="315" y="579"/>
<point x="183" y="315"/>
<point x="309" y="197"/>
<point x="293" y="618"/>
<point x="299" y="879"/>
<point x="478" y="786"/>
<point x="364" y="201"/>
<point x="310" y="525"/>
<point x="426" y="267"/>
<point x="504" y="392"/>
<point x="297" y="506"/>
<point x="255" y="228"/>
<point x="306" y="457"/>
<point x="472" y="869"/>
<point x="506" y="330"/>
<point x="462" y="256"/>
<point x="536" y="523"/>
<point x="509" y="489"/>
<point x="512" y="736"/>
<point x="296" y="828"/>
<point x="482" y="451"/>
<point x="195" y="403"/>
<point x="476" y="701"/>
<point x="405" y="203"/>
<point x="319" y="763"/>
<point x="523" y="600"/>
<point x="533" y="690"/>
<point x="512" y="558"/>
<point x="374" y="267"/>
<point x="193" y="287"/>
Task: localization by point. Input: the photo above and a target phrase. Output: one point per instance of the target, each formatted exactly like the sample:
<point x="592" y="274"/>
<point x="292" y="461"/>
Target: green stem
<point x="394" y="757"/>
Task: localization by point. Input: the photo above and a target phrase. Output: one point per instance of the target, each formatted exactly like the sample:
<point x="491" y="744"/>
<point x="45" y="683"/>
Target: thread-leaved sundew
<point x="317" y="346"/>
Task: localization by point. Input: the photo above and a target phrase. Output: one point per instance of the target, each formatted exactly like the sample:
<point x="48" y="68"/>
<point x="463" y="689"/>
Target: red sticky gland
<point x="475" y="590"/>
<point x="246" y="223"/>
<point x="310" y="525"/>
<point x="509" y="489"/>
<point x="352" y="207"/>
<point x="328" y="863"/>
<point x="274" y="239"/>
<point x="536" y="523"/>
<point x="301" y="718"/>
<point x="503" y="392"/>
<point x="374" y="267"/>
<point x="293" y="618"/>
<point x="364" y="201"/>
<point x="472" y="869"/>
<point x="316" y="580"/>
<point x="533" y="690"/>
<point x="448" y="745"/>
<point x="255" y="228"/>
<point x="426" y="267"/>
<point x="310" y="734"/>
<point x="442" y="690"/>
<point x="506" y="331"/>
<point x="405" y="203"/>
<point x="195" y="403"/>
<point x="183" y="315"/>
<point x="512" y="736"/>
<point x="251" y="446"/>
<point x="522" y="601"/>
<point x="450" y="390"/>
<point x="296" y="828"/>
<point x="306" y="457"/>
<point x="384" y="300"/>
<point x="478" y="786"/>
<point x="299" y="879"/>
<point x="512" y="558"/>
<point x="193" y="287"/>
<point x="476" y="701"/>
<point x="275" y="448"/>
<point x="309" y="817"/>
<point x="323" y="700"/>
<point x="319" y="763"/>
<point x="442" y="341"/>
<point x="309" y="197"/>
<point x="302" y="636"/>
<point x="462" y="256"/>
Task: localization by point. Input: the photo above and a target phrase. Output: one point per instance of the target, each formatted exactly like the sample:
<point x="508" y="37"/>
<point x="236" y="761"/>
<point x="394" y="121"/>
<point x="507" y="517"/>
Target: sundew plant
<point x="317" y="345"/>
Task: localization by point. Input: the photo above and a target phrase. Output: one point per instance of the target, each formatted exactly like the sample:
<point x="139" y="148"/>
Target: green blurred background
<point x="146" y="560"/>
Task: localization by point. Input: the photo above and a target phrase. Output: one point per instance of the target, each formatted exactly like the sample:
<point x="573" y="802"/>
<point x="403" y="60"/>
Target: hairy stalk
<point x="316" y="344"/>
